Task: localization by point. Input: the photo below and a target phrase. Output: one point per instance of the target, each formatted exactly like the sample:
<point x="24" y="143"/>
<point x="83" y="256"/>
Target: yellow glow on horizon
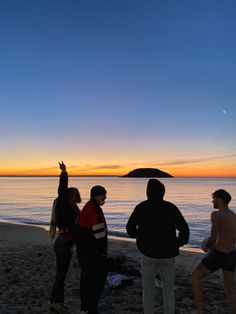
<point x="177" y="166"/>
<point x="190" y="171"/>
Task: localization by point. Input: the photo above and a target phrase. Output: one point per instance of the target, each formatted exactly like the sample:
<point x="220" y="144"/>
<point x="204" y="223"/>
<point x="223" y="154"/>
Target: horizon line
<point x="117" y="176"/>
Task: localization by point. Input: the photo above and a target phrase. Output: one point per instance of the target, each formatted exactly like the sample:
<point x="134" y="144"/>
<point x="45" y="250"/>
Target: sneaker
<point x="56" y="308"/>
<point x="84" y="312"/>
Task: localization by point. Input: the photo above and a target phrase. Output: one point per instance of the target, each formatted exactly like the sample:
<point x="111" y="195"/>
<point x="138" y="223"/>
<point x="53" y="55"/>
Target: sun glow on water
<point x="29" y="200"/>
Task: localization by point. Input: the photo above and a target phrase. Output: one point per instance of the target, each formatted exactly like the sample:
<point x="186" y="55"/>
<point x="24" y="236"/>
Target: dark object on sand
<point x="119" y="264"/>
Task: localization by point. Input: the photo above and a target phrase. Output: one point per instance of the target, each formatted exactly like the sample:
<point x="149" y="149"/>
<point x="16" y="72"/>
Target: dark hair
<point x="72" y="190"/>
<point x="222" y="194"/>
<point x="97" y="190"/>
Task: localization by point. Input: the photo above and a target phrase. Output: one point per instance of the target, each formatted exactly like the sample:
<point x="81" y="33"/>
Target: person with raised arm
<point x="64" y="214"/>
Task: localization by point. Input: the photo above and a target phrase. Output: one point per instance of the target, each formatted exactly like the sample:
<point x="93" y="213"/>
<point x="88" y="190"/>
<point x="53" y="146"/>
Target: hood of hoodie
<point x="155" y="190"/>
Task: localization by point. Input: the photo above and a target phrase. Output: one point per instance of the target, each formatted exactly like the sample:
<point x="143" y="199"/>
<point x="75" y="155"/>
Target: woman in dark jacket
<point x="64" y="215"/>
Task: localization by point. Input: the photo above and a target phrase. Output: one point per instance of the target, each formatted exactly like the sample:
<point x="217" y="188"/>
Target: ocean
<point x="28" y="200"/>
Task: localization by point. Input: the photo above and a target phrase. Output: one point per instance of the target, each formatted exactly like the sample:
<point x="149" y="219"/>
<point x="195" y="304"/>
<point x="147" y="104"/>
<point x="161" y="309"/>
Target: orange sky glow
<point x="194" y="170"/>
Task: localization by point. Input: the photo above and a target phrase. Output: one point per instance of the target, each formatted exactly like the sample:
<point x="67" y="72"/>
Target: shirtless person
<point x="221" y="253"/>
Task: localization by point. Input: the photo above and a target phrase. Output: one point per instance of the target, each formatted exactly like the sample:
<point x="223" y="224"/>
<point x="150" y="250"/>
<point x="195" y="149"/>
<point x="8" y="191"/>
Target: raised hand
<point x="62" y="166"/>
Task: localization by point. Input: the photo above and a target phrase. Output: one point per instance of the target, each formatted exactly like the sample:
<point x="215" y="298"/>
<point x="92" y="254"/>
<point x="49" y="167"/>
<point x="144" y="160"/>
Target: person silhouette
<point x="64" y="214"/>
<point x="154" y="223"/>
<point x="92" y="247"/>
<point x="221" y="253"/>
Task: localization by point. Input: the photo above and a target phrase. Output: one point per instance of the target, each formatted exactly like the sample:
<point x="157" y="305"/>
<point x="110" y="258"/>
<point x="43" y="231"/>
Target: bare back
<point x="226" y="233"/>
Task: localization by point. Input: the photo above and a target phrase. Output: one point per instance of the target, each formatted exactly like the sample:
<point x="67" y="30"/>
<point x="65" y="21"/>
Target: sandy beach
<point x="27" y="270"/>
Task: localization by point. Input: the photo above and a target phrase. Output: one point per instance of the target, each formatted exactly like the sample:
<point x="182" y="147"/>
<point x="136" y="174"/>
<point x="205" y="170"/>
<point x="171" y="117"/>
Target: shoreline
<point x="27" y="273"/>
<point x="110" y="236"/>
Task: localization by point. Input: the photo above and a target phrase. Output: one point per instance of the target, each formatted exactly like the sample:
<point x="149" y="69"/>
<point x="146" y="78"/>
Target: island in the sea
<point x="147" y="173"/>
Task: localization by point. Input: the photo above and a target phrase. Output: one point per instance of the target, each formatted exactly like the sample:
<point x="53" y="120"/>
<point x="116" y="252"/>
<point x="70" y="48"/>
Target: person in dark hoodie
<point x="154" y="223"/>
<point x="92" y="248"/>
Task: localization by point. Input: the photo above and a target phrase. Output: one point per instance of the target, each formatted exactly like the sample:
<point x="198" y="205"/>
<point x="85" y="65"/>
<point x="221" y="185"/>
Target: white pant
<point x="166" y="268"/>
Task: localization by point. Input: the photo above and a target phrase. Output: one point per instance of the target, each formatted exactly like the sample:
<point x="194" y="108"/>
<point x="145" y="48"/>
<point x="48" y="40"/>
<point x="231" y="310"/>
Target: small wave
<point x="36" y="223"/>
<point x="117" y="234"/>
<point x="25" y="221"/>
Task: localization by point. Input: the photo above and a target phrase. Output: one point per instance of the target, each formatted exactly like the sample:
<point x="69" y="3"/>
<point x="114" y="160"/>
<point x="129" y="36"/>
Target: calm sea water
<point x="29" y="200"/>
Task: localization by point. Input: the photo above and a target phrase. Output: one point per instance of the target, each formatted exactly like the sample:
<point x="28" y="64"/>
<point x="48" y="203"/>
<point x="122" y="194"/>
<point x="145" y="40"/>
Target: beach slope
<point x="27" y="270"/>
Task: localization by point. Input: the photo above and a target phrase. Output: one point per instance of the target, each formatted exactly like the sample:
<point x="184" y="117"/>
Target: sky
<point x="108" y="86"/>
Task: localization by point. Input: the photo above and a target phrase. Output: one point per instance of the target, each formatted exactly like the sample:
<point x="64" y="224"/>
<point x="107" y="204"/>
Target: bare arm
<point x="62" y="166"/>
<point x="214" y="229"/>
<point x="63" y="182"/>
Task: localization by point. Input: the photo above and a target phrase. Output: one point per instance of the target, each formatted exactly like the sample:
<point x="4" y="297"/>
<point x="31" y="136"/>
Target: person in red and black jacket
<point x="64" y="216"/>
<point x="92" y="248"/>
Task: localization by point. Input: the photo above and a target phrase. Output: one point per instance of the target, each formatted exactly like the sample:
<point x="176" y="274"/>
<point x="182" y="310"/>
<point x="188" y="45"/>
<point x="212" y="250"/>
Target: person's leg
<point x="63" y="257"/>
<point x="167" y="273"/>
<point x="92" y="281"/>
<point x="84" y="289"/>
<point x="98" y="281"/>
<point x="229" y="284"/>
<point x="84" y="281"/>
<point x="149" y="271"/>
<point x="196" y="278"/>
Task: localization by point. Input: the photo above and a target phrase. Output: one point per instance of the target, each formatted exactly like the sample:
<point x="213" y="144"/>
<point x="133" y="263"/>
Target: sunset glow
<point x="201" y="169"/>
<point x="109" y="87"/>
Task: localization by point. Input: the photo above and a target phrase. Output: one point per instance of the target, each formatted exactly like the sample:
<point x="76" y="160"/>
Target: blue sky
<point x="117" y="84"/>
